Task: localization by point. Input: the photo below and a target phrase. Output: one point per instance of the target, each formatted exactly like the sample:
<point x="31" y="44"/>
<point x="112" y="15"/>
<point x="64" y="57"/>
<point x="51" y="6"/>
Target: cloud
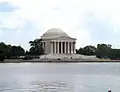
<point x="90" y="21"/>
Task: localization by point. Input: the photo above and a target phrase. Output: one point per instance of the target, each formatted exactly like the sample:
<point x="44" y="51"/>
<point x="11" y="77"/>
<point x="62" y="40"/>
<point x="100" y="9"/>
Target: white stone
<point x="53" y="33"/>
<point x="56" y="35"/>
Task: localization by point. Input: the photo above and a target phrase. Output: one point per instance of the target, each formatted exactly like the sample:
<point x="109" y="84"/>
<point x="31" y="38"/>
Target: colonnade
<point x="62" y="47"/>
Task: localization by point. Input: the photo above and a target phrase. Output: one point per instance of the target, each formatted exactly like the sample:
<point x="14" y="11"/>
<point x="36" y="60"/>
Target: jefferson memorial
<point x="58" y="45"/>
<point x="55" y="41"/>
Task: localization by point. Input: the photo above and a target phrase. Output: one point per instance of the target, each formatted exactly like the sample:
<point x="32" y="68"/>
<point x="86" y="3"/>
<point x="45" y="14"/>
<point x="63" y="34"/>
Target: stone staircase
<point x="66" y="57"/>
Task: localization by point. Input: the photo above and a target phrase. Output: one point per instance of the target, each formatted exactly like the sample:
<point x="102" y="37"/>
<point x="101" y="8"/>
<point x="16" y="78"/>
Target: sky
<point x="89" y="21"/>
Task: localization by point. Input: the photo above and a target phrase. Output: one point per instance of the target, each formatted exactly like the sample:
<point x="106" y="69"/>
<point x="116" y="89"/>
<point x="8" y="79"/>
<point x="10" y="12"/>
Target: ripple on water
<point x="93" y="77"/>
<point x="43" y="86"/>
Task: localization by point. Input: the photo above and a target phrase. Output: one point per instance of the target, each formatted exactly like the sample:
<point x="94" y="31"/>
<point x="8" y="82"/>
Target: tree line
<point x="10" y="51"/>
<point x="101" y="51"/>
<point x="14" y="52"/>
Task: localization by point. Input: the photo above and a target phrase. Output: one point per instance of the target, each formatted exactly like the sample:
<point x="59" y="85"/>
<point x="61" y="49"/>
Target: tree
<point x="27" y="52"/>
<point x="115" y="54"/>
<point x="36" y="47"/>
<point x="9" y="50"/>
<point x="17" y="51"/>
<point x="4" y="48"/>
<point x="80" y="51"/>
<point x="103" y="50"/>
<point x="1" y="56"/>
<point x="87" y="50"/>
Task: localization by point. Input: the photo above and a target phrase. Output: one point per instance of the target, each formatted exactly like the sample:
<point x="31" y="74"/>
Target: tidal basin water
<point x="59" y="77"/>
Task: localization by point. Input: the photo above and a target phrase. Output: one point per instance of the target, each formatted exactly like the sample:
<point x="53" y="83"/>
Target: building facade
<point x="56" y="41"/>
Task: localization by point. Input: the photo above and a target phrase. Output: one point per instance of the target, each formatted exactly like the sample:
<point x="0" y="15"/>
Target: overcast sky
<point x="90" y="21"/>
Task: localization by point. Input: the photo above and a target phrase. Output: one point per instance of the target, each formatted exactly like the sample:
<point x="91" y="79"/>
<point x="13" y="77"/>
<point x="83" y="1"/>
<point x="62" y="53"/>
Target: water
<point x="60" y="77"/>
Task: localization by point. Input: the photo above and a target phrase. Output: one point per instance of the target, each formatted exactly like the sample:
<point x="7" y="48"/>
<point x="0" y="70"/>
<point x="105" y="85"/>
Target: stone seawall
<point x="60" y="61"/>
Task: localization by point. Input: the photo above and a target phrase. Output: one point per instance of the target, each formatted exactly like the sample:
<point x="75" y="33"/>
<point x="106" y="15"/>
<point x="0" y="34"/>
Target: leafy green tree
<point x="5" y="48"/>
<point x="2" y="56"/>
<point x="87" y="50"/>
<point x="27" y="52"/>
<point x="9" y="50"/>
<point x="36" y="47"/>
<point x="17" y="51"/>
<point x="103" y="50"/>
<point x="80" y="51"/>
<point x="115" y="54"/>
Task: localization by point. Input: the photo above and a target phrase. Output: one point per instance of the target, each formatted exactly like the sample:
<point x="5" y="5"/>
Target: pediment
<point x="64" y="38"/>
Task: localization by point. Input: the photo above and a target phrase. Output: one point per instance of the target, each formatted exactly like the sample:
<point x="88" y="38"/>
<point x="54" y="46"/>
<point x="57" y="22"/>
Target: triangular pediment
<point x="64" y="38"/>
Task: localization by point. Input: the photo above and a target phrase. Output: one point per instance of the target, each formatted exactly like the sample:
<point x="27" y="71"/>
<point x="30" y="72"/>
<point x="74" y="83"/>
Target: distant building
<point x="56" y="41"/>
<point x="58" y="45"/>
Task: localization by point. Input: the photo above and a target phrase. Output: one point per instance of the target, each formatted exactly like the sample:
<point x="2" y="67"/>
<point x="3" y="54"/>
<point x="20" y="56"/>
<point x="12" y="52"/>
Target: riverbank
<point x="58" y="61"/>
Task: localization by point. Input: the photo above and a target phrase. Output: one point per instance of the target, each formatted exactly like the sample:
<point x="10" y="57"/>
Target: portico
<point x="62" y="47"/>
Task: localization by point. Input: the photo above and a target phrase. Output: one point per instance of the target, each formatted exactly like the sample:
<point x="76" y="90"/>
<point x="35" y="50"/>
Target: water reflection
<point x="54" y="86"/>
<point x="56" y="83"/>
<point x="43" y="86"/>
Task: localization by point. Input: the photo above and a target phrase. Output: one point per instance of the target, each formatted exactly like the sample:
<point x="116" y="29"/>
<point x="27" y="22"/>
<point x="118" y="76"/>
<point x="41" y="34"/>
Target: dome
<point x="54" y="32"/>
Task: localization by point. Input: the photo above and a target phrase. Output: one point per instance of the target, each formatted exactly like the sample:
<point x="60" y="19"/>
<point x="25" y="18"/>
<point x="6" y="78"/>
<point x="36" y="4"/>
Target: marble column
<point x="58" y="47"/>
<point x="54" y="47"/>
<point x="61" y="47"/>
<point x="65" y="47"/>
<point x="68" y="47"/>
<point x="51" y="47"/>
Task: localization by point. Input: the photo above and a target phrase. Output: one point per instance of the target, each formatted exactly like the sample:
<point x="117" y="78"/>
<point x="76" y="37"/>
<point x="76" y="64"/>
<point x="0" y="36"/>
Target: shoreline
<point x="61" y="61"/>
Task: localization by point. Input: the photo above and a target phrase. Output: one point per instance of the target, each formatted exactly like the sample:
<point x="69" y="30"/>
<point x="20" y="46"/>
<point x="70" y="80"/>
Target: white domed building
<point x="56" y="41"/>
<point x="58" y="45"/>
